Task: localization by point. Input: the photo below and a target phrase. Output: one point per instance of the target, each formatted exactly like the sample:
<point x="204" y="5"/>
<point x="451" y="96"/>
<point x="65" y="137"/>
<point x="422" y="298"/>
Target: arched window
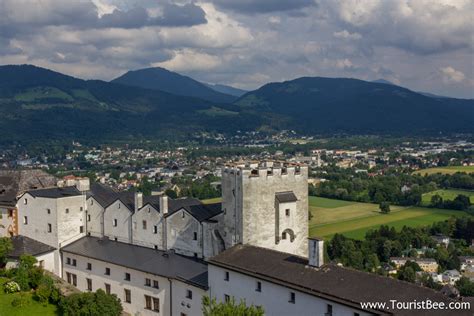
<point x="288" y="232"/>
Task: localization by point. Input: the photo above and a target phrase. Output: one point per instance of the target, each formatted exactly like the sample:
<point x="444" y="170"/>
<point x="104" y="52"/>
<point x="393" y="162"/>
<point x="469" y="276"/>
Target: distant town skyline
<point x="422" y="45"/>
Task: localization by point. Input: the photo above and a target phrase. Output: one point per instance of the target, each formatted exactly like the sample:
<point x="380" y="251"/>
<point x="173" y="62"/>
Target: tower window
<point x="48" y="211"/>
<point x="283" y="235"/>
<point x="88" y="217"/>
<point x="49" y="228"/>
<point x="25" y="220"/>
<point x="155" y="229"/>
<point x="67" y="211"/>
<point x="287" y="212"/>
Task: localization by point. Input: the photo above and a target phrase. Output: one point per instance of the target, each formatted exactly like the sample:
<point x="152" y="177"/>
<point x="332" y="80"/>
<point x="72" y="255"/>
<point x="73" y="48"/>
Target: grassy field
<point x="446" y="170"/>
<point x="214" y="200"/>
<point x="355" y="219"/>
<point x="446" y="195"/>
<point x="33" y="308"/>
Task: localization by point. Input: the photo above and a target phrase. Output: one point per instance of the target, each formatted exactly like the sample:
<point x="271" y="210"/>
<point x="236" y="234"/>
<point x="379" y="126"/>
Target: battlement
<point x="265" y="169"/>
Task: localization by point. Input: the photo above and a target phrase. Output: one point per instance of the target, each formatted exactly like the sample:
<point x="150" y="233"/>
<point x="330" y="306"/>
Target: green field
<point x="446" y="195"/>
<point x="354" y="219"/>
<point x="33" y="307"/>
<point x="210" y="201"/>
<point x="446" y="170"/>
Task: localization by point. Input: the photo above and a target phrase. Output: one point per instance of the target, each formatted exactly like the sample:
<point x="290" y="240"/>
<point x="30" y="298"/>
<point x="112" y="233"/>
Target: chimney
<point x="164" y="204"/>
<point x="316" y="252"/>
<point x="138" y="201"/>
<point x="83" y="184"/>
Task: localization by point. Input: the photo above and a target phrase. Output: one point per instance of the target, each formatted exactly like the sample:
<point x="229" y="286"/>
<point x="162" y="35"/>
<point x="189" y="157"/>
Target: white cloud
<point x="451" y="75"/>
<point x="347" y="35"/>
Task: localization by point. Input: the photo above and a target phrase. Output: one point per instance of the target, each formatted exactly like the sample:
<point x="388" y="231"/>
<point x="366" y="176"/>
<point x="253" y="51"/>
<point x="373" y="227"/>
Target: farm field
<point x="446" y="170"/>
<point x="33" y="307"/>
<point x="446" y="195"/>
<point x="354" y="219"/>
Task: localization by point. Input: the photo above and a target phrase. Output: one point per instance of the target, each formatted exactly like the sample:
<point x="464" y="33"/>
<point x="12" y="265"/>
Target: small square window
<point x="67" y="211"/>
<point x="226" y="298"/>
<point x="127" y="276"/>
<point x="287" y="212"/>
<point x="128" y="296"/>
<point x="25" y="220"/>
<point x="50" y="229"/>
<point x="107" y="271"/>
<point x="81" y="209"/>
<point x="226" y="276"/>
<point x="155" y="229"/>
<point x="89" y="284"/>
<point x="68" y="260"/>
<point x="147" y="282"/>
<point x="259" y="286"/>
<point x="292" y="298"/>
<point x="81" y="229"/>
<point x="144" y="224"/>
<point x="189" y="294"/>
<point x="88" y="217"/>
<point x="89" y="266"/>
<point x="283" y="235"/>
<point x="25" y="201"/>
<point x="48" y="211"/>
<point x="74" y="262"/>
<point x="156" y="284"/>
<point x="329" y="310"/>
<point x="195" y="236"/>
<point x="115" y="222"/>
<point x="107" y="288"/>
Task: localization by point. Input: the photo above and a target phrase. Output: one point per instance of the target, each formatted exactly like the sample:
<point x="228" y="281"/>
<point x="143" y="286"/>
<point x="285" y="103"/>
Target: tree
<point x="465" y="287"/>
<point x="5" y="247"/>
<point x="384" y="207"/>
<point x="210" y="307"/>
<point x="92" y="304"/>
<point x="436" y="201"/>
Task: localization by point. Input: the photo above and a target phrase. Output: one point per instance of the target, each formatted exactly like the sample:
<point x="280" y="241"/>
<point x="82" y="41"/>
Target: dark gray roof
<point x="332" y="282"/>
<point x="285" y="197"/>
<point x="24" y="245"/>
<point x="103" y="194"/>
<point x="14" y="182"/>
<point x="166" y="264"/>
<point x="56" y="192"/>
<point x="195" y="207"/>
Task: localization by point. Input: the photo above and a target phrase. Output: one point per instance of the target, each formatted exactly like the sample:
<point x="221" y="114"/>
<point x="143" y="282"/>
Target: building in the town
<point x="426" y="264"/>
<point x="23" y="245"/>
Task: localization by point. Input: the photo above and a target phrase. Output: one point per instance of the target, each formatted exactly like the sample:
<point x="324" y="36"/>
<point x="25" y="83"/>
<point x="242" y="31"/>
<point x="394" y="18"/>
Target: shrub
<point x="21" y="300"/>
<point x="11" y="287"/>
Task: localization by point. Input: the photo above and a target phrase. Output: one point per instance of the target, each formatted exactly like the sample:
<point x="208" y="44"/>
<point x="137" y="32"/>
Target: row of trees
<point x="461" y="202"/>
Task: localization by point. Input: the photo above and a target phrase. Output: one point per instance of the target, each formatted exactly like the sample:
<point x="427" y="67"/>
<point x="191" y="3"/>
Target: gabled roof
<point x="55" y="192"/>
<point x="344" y="285"/>
<point x="24" y="245"/>
<point x="195" y="208"/>
<point x="286" y="197"/>
<point x="158" y="262"/>
<point x="104" y="195"/>
<point x="15" y="182"/>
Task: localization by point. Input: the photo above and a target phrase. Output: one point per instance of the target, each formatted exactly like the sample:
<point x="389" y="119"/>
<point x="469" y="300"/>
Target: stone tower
<point x="266" y="205"/>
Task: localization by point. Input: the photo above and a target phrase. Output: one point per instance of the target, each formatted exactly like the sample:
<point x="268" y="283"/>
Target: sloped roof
<point x="332" y="282"/>
<point x="56" y="192"/>
<point x="15" y="182"/>
<point x="286" y="197"/>
<point x="24" y="245"/>
<point x="195" y="207"/>
<point x="158" y="262"/>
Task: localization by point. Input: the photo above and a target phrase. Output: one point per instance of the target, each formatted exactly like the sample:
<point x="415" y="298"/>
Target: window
<point x="226" y="276"/>
<point x="128" y="296"/>
<point x="81" y="209"/>
<point x="156" y="304"/>
<point x="156" y="285"/>
<point x="67" y="211"/>
<point x="81" y="229"/>
<point x="155" y="229"/>
<point x="292" y="298"/>
<point x="10" y="213"/>
<point x="92" y="202"/>
<point x="127" y="276"/>
<point x="183" y="214"/>
<point x="107" y="271"/>
<point x="25" y="201"/>
<point x="147" y="302"/>
<point x="226" y="298"/>
<point x="74" y="279"/>
<point x="68" y="277"/>
<point x="144" y="224"/>
<point x="156" y="247"/>
<point x="89" y="284"/>
<point x="25" y="220"/>
<point x="329" y="310"/>
<point x="147" y="282"/>
<point x="356" y="314"/>
<point x="89" y="266"/>
<point x="107" y="288"/>
<point x="115" y="222"/>
<point x="48" y="211"/>
<point x="68" y="260"/>
<point x="88" y="217"/>
<point x="74" y="262"/>
<point x="195" y="236"/>
<point x="50" y="229"/>
<point x="259" y="286"/>
<point x="189" y="294"/>
<point x="287" y="212"/>
<point x="283" y="235"/>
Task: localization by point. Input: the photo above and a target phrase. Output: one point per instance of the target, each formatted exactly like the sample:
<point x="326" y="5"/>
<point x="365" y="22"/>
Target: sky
<point x="425" y="45"/>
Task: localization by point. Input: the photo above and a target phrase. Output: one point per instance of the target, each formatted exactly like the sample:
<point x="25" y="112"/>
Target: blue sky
<point x="420" y="44"/>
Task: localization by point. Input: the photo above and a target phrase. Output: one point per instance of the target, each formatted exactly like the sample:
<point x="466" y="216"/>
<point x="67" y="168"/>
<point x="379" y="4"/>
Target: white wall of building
<point x="123" y="216"/>
<point x="273" y="298"/>
<point x="95" y="218"/>
<point x="181" y="230"/>
<point x="149" y="236"/>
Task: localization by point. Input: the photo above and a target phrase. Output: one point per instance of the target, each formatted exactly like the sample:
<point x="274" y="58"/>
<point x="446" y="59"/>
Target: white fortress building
<point x="160" y="256"/>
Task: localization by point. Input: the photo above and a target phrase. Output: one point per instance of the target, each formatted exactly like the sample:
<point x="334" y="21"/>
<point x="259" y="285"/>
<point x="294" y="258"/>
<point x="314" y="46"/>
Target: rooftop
<point x="332" y="282"/>
<point x="166" y="264"/>
<point x="23" y="245"/>
<point x="286" y="197"/>
<point x="55" y="192"/>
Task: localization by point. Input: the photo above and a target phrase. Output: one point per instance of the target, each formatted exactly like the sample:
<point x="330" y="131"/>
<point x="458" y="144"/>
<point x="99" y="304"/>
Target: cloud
<point x="451" y="75"/>
<point x="344" y="34"/>
<point x="262" y="6"/>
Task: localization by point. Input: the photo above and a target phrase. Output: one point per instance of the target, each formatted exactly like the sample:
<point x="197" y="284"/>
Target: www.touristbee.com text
<point x="416" y="305"/>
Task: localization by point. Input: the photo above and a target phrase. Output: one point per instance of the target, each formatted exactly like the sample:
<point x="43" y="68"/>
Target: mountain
<point x="37" y="103"/>
<point x="382" y="81"/>
<point x="227" y="89"/>
<point x="172" y="82"/>
<point x="330" y="105"/>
